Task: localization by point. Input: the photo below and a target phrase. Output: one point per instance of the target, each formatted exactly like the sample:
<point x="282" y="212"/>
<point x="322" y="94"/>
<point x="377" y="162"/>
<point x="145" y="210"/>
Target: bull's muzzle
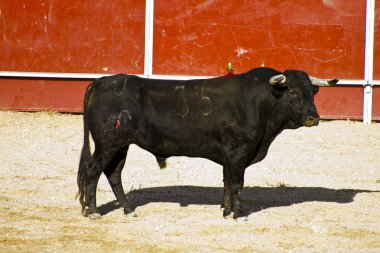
<point x="311" y="121"/>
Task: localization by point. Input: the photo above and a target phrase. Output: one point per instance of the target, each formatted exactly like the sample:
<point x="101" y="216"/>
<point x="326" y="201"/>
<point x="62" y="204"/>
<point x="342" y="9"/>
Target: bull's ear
<point x="278" y="80"/>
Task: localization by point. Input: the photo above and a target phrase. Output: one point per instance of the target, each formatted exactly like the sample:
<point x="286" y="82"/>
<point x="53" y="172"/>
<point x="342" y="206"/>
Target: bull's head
<point x="295" y="90"/>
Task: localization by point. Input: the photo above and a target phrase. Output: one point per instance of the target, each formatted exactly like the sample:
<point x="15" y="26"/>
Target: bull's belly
<point x="207" y="143"/>
<point x="191" y="145"/>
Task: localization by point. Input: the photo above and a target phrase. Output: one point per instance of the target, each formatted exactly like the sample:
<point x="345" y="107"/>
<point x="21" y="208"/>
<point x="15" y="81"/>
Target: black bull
<point x="229" y="120"/>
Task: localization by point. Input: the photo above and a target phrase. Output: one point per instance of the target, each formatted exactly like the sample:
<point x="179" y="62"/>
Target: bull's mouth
<point x="311" y="121"/>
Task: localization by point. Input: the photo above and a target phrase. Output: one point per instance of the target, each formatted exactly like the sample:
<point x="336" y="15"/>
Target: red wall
<point x="66" y="36"/>
<point x="65" y="95"/>
<point x="72" y="36"/>
<point x="340" y="103"/>
<point x="200" y="37"/>
<point x="376" y="62"/>
<point x="191" y="37"/>
<point x="376" y="103"/>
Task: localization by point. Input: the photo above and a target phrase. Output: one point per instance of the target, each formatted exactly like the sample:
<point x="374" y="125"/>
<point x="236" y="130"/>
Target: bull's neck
<point x="266" y="121"/>
<point x="275" y="121"/>
<point x="272" y="119"/>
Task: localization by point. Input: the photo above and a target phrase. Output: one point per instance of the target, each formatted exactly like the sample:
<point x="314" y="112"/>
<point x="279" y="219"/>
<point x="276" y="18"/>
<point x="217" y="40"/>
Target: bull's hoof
<point x="242" y="219"/>
<point x="238" y="216"/>
<point x="227" y="214"/>
<point x="94" y="216"/>
<point x="130" y="213"/>
<point x="238" y="213"/>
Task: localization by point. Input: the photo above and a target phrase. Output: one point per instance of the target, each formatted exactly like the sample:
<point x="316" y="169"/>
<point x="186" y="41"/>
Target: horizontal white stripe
<point x="167" y="77"/>
<point x="51" y="75"/>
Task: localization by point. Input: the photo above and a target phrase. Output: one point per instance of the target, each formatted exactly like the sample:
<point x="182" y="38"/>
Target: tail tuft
<point x="82" y="175"/>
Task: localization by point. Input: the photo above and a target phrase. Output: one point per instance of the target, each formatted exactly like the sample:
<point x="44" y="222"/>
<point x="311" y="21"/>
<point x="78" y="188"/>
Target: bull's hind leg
<point x="113" y="173"/>
<point x="99" y="160"/>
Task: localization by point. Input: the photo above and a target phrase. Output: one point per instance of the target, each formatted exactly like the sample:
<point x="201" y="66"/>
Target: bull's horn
<point x="274" y="80"/>
<point x="323" y="82"/>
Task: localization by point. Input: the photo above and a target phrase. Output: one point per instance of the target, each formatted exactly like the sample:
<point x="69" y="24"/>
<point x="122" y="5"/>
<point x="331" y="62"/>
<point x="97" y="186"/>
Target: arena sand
<point x="316" y="191"/>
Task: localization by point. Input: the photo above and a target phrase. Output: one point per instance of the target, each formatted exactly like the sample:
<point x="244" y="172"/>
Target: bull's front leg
<point x="237" y="207"/>
<point x="233" y="178"/>
<point x="226" y="201"/>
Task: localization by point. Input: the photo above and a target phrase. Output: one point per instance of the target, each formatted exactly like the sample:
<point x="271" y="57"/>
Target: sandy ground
<point x="317" y="191"/>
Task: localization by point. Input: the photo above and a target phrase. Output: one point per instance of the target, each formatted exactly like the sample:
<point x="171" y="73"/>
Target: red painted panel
<point x="376" y="62"/>
<point x="376" y="103"/>
<point x="36" y="95"/>
<point x="340" y="102"/>
<point x="195" y="37"/>
<point x="72" y="36"/>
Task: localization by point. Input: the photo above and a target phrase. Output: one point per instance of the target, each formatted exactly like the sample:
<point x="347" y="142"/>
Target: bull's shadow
<point x="254" y="199"/>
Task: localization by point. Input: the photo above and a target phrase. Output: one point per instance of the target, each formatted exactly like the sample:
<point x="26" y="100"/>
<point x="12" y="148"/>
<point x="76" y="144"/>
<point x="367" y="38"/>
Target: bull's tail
<point x="84" y="158"/>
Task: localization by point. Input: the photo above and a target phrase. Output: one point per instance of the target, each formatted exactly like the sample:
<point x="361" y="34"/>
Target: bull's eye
<point x="292" y="93"/>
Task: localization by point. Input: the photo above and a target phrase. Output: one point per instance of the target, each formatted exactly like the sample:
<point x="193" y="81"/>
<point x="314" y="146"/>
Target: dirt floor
<point x="318" y="190"/>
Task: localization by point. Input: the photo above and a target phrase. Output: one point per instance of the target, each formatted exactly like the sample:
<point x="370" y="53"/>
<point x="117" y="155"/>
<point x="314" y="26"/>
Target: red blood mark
<point x="125" y="121"/>
<point x="229" y="74"/>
